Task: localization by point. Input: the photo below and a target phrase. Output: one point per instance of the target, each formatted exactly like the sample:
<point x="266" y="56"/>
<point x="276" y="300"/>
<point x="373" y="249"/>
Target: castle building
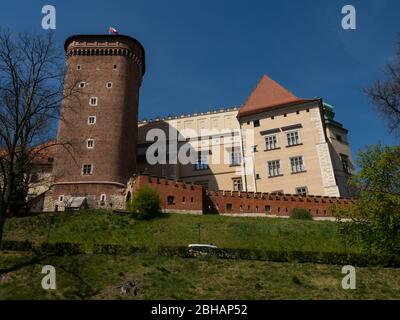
<point x="98" y="133"/>
<point x="274" y="143"/>
<point x="296" y="146"/>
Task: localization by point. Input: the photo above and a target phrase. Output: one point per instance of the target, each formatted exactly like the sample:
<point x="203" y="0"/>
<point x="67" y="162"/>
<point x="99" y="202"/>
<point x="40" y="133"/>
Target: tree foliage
<point x="376" y="213"/>
<point x="145" y="204"/>
<point x="301" y="214"/>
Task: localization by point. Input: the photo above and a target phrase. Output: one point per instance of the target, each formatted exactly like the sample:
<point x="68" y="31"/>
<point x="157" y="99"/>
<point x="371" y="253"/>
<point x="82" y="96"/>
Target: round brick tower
<point x="98" y="129"/>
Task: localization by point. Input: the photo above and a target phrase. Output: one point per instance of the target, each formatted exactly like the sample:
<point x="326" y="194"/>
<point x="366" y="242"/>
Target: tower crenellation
<point x="99" y="123"/>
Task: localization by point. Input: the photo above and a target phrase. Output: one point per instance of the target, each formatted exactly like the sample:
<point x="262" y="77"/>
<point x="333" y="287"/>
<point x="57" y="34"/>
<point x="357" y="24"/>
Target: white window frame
<point x="236" y="183"/>
<point x="91" y="169"/>
<point x="109" y="83"/>
<point x="92" y="117"/>
<point x="93" y="104"/>
<point x="235" y="154"/>
<point x="61" y="198"/>
<point x="78" y="67"/>
<point x="302" y="165"/>
<point x="82" y="84"/>
<point x="287" y="133"/>
<point x="271" y="136"/>
<point x="90" y="141"/>
<point x="279" y="173"/>
<point x="103" y="196"/>
<point x="306" y="190"/>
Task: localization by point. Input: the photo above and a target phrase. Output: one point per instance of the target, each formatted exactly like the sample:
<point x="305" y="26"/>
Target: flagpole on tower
<point x="112" y="30"/>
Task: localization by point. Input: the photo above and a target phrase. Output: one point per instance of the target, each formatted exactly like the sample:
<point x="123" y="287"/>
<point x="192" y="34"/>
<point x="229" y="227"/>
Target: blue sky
<point x="211" y="53"/>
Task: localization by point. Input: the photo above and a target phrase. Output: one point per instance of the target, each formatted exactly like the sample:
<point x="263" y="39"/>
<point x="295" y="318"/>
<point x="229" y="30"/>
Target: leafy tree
<point x="145" y="204"/>
<point x="376" y="214"/>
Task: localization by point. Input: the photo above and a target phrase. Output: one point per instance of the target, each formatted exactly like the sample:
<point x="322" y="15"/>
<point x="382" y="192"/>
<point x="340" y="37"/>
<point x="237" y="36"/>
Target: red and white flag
<point x="112" y="30"/>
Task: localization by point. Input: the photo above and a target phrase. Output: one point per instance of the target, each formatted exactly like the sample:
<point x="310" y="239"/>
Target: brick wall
<point x="175" y="196"/>
<point x="227" y="202"/>
<point x="194" y="199"/>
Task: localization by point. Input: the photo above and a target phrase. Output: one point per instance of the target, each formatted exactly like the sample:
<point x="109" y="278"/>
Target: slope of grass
<point x="97" y="276"/>
<point x="178" y="230"/>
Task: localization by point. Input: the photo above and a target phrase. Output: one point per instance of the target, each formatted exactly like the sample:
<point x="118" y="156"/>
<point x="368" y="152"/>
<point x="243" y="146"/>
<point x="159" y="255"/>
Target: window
<point x="237" y="184"/>
<point x="258" y="177"/>
<point x="82" y="85"/>
<point x="274" y="168"/>
<point x="267" y="209"/>
<point x="109" y="85"/>
<point x="271" y="142"/>
<point x="345" y="163"/>
<point x="302" y="191"/>
<point x="115" y="67"/>
<point x="235" y="157"/>
<point x="87" y="169"/>
<point x="61" y="198"/>
<point x="183" y="199"/>
<point x="297" y="164"/>
<point x="171" y="200"/>
<point x="34" y="178"/>
<point x="202" y="163"/>
<point x="93" y="101"/>
<point x="339" y="138"/>
<point x="256" y="123"/>
<point x="293" y="138"/>
<point x="229" y="207"/>
<point x="90" y="143"/>
<point x="78" y="67"/>
<point x="91" y="120"/>
<point x="278" y="192"/>
<point x="103" y="198"/>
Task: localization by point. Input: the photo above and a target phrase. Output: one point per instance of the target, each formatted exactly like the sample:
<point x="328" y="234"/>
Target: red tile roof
<point x="269" y="95"/>
<point x="42" y="154"/>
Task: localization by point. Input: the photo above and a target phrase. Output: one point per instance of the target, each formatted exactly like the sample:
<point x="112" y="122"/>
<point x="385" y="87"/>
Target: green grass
<point x="95" y="277"/>
<point x="178" y="230"/>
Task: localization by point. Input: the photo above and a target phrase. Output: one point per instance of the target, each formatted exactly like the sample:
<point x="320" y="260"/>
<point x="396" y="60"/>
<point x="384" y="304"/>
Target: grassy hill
<point x="178" y="230"/>
<point x="96" y="276"/>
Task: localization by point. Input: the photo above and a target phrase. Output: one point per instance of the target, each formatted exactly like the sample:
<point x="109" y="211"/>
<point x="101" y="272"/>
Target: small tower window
<point x="61" y="198"/>
<point x="109" y="85"/>
<point x="91" y="120"/>
<point x="103" y="199"/>
<point x="87" y="169"/>
<point x="82" y="85"/>
<point x="78" y="67"/>
<point x="90" y="144"/>
<point x="115" y="67"/>
<point x="93" y="101"/>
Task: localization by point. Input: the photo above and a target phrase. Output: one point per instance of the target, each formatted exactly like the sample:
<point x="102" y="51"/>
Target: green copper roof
<point x="329" y="115"/>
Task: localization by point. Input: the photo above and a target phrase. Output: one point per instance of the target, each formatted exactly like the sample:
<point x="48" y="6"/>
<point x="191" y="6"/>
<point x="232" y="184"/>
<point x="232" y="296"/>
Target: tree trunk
<point x="2" y="221"/>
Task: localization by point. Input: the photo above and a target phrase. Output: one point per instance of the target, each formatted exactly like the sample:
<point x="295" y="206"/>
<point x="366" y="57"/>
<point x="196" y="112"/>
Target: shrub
<point x="145" y="204"/>
<point x="375" y="214"/>
<point x="301" y="214"/>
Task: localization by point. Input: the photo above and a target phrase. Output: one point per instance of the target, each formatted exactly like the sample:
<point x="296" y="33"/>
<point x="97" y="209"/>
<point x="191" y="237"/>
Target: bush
<point x="301" y="214"/>
<point x="145" y="204"/>
<point x="375" y="214"/>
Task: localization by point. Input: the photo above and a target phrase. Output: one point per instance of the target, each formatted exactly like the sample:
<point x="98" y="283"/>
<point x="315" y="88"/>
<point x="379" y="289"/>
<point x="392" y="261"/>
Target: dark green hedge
<point x="354" y="259"/>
